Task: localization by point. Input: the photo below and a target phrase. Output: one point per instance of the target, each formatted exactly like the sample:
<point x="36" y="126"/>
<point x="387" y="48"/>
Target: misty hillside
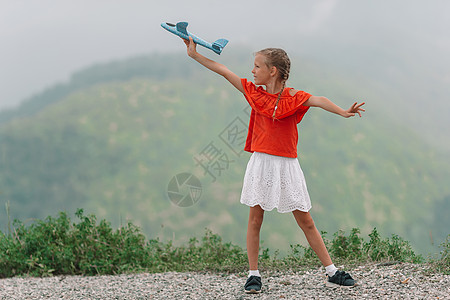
<point x="112" y="138"/>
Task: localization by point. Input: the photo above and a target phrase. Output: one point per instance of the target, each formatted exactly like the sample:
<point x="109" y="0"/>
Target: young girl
<point x="273" y="178"/>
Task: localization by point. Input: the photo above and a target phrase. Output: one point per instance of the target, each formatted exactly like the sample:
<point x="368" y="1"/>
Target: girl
<point x="273" y="178"/>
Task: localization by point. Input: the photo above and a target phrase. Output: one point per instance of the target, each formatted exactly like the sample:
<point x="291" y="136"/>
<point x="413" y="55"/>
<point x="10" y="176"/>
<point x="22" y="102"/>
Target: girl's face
<point x="262" y="74"/>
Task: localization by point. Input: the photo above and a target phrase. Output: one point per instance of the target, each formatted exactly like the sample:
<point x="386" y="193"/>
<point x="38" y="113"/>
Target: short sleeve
<point x="249" y="87"/>
<point x="288" y="106"/>
<point x="257" y="98"/>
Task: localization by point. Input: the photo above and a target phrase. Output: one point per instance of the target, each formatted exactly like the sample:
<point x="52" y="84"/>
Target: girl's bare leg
<point x="255" y="220"/>
<point x="306" y="223"/>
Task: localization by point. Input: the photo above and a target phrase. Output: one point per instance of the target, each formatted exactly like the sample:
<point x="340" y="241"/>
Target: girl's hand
<point x="212" y="65"/>
<point x="191" y="47"/>
<point x="354" y="109"/>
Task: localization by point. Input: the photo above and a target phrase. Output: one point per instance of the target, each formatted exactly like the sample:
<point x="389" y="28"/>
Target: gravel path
<point x="398" y="281"/>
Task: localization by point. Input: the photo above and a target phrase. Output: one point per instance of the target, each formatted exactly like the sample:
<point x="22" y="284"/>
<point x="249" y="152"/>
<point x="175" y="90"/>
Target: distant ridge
<point x="149" y="66"/>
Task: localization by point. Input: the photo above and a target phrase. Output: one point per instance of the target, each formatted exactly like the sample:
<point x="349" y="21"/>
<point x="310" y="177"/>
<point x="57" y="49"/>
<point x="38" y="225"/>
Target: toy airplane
<point x="180" y="30"/>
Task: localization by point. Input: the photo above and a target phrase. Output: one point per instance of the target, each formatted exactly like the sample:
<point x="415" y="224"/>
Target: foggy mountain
<point x="393" y="55"/>
<point x="112" y="138"/>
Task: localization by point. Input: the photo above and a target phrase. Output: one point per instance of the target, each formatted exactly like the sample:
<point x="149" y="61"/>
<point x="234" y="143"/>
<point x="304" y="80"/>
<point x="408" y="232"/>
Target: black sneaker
<point x="341" y="279"/>
<point x="253" y="285"/>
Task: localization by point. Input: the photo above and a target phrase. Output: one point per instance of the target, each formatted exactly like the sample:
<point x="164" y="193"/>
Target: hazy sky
<point x="43" y="42"/>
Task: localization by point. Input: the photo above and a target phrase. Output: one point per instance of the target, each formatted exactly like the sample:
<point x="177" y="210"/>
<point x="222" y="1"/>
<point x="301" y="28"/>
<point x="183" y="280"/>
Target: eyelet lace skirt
<point x="275" y="182"/>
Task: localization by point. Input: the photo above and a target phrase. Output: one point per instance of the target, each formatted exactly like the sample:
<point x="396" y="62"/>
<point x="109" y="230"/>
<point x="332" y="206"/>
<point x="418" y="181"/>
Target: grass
<point x="58" y="246"/>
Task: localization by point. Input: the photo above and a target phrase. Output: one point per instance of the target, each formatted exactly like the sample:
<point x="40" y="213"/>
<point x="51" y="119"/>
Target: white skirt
<point x="275" y="182"/>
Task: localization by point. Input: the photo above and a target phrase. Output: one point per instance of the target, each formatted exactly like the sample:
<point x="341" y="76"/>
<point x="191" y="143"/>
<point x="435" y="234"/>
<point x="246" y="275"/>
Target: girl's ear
<point x="273" y="71"/>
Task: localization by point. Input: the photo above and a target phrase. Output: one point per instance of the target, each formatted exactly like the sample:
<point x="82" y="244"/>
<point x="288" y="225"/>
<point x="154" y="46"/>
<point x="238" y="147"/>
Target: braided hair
<point x="278" y="58"/>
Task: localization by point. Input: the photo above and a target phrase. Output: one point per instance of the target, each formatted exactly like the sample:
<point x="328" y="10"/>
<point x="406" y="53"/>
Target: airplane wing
<point x="181" y="27"/>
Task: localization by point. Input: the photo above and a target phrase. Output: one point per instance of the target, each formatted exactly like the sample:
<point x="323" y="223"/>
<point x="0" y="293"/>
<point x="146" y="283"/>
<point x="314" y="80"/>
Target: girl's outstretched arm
<point x="213" y="66"/>
<point x="327" y="105"/>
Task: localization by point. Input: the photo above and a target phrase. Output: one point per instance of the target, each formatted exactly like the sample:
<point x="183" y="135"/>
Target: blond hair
<point x="278" y="58"/>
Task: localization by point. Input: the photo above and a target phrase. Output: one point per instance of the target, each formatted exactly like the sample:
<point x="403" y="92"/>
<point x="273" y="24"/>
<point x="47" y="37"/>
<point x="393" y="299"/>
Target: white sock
<point x="330" y="270"/>
<point x="254" y="273"/>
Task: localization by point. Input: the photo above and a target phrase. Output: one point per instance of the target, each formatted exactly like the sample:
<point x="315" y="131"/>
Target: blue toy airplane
<point x="180" y="30"/>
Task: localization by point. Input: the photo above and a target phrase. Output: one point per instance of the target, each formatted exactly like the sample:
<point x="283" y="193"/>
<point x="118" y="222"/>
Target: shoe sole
<point x="335" y="285"/>
<point x="252" y="291"/>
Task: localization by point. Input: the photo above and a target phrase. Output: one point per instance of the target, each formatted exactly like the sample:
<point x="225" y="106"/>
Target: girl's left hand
<point x="354" y="109"/>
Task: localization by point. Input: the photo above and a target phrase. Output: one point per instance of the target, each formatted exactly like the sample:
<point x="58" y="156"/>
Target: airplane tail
<point x="219" y="45"/>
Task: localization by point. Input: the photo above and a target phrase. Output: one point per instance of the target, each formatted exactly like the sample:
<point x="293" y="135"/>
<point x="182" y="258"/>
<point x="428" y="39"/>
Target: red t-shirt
<point x="279" y="135"/>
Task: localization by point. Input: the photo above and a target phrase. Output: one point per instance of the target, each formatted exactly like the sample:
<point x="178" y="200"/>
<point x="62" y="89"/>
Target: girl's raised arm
<point x="213" y="66"/>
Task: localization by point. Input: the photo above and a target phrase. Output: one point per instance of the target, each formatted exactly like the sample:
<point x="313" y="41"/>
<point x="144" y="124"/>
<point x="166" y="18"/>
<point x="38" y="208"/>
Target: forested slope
<point x="111" y="139"/>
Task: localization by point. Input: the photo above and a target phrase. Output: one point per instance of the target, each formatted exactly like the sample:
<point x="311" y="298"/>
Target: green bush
<point x="442" y="264"/>
<point x="209" y="255"/>
<point x="56" y="246"/>
<point x="353" y="249"/>
<point x="393" y="249"/>
<point x="347" y="247"/>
